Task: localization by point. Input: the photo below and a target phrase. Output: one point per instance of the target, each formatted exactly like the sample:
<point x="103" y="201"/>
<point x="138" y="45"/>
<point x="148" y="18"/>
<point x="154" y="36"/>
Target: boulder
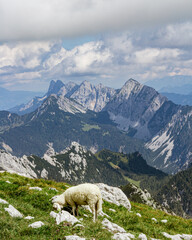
<point x="13" y="212"/>
<point x="73" y="237"/>
<point x="36" y="224"/>
<point x="123" y="236"/>
<point x="112" y="227"/>
<point x="64" y="216"/>
<point x="142" y="236"/>
<point x="114" y="195"/>
<point x="3" y="201"/>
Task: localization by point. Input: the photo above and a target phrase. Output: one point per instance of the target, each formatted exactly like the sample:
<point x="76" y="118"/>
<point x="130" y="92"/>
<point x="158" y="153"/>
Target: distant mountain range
<point x="172" y="84"/>
<point x="60" y="121"/>
<point x="179" y="98"/>
<point x="9" y="99"/>
<point x="133" y="118"/>
<point x="91" y="97"/>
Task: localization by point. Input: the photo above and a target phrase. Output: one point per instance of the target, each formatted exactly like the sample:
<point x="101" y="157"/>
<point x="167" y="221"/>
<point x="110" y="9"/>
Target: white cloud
<point x="83" y="59"/>
<point x="26" y="54"/>
<point x="155" y="55"/>
<point x="38" y="19"/>
<point x="111" y="60"/>
<point x="175" y="35"/>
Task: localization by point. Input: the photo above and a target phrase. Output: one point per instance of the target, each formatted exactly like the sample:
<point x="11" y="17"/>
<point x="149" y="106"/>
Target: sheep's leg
<point x="92" y="206"/>
<point x="77" y="214"/>
<point x="73" y="210"/>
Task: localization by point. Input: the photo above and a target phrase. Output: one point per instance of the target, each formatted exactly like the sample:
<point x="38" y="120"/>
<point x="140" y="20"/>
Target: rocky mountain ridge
<point x="91" y="97"/>
<point x="137" y="110"/>
<point x="133" y="107"/>
<point x="75" y="164"/>
<point x="60" y="120"/>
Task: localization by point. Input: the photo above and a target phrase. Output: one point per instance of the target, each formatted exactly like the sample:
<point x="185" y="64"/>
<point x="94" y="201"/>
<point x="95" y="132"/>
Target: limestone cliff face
<point x="93" y="97"/>
<point x="133" y="108"/>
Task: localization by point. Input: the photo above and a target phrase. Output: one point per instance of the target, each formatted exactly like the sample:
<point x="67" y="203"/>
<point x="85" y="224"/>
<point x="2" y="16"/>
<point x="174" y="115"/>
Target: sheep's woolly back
<point x="84" y="194"/>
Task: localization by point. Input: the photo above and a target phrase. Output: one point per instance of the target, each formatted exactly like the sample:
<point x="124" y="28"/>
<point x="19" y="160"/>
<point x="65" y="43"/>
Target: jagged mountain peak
<point x="86" y="87"/>
<point x="68" y="89"/>
<point x="78" y="148"/>
<point x="54" y="102"/>
<point x="132" y="81"/>
<point x="68" y="105"/>
<point x="133" y="108"/>
<point x="91" y="97"/>
<point x="130" y="87"/>
<point x="86" y="83"/>
<point x="54" y="87"/>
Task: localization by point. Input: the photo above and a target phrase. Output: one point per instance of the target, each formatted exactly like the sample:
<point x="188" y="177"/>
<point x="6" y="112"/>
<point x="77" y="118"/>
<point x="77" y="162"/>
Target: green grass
<point x="136" y="183"/>
<point x="88" y="127"/>
<point x="37" y="204"/>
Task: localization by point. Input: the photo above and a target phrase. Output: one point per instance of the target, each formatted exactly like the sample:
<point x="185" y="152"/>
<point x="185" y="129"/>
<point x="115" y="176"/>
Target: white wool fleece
<point x="83" y="194"/>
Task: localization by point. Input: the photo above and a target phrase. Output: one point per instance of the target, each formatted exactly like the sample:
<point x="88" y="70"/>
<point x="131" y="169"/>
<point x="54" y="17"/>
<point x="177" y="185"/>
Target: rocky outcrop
<point x="13" y="212"/>
<point x="93" y="97"/>
<point x="86" y="94"/>
<point x="114" y="195"/>
<point x="74" y="165"/>
<point x="133" y="107"/>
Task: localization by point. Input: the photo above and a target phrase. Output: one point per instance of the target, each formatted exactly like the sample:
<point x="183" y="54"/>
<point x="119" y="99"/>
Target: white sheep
<point x="83" y="194"/>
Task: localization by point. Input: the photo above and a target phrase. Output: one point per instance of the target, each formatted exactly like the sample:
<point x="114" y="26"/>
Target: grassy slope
<point x="37" y="204"/>
<point x="135" y="169"/>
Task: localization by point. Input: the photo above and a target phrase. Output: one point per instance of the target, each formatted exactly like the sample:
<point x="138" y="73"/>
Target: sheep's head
<point x="57" y="206"/>
<point x="58" y="201"/>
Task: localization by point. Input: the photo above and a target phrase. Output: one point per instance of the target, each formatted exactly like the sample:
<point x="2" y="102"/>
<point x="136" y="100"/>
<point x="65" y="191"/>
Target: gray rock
<point x="112" y="210"/>
<point x="53" y="189"/>
<point x="73" y="237"/>
<point x="3" y="201"/>
<point x="177" y="236"/>
<point x="114" y="195"/>
<point x="112" y="227"/>
<point x="65" y="216"/>
<point x="154" y="219"/>
<point x="164" y="221"/>
<point x="123" y="236"/>
<point x="29" y="218"/>
<point x="36" y="224"/>
<point x="138" y="214"/>
<point x="13" y="212"/>
<point x="36" y="188"/>
<point x="53" y="214"/>
<point x="142" y="236"/>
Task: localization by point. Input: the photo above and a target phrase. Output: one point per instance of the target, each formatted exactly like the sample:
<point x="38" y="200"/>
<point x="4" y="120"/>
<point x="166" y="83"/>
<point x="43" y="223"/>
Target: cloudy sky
<point x="107" y="41"/>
